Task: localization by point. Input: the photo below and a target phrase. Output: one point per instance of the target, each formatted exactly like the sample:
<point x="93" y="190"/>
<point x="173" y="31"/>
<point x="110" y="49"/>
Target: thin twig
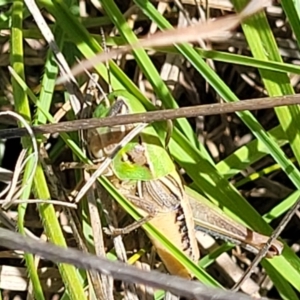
<point x="153" y="116"/>
<point x="120" y="271"/>
<point x="262" y="253"/>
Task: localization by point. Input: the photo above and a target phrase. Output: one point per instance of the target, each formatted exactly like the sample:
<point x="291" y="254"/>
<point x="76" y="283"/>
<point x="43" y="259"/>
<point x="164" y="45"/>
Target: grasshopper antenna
<point x="105" y="49"/>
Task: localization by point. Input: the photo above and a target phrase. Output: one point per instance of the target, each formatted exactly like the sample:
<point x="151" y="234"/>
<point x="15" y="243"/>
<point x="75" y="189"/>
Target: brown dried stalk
<point x="120" y="271"/>
<point x="209" y="29"/>
<point x="149" y="117"/>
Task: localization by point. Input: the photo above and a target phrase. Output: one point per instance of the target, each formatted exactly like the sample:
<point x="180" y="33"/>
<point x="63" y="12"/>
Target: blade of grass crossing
<point x="282" y="207"/>
<point x="30" y="262"/>
<point x="250" y="153"/>
<point x="69" y="274"/>
<point x="292" y="11"/>
<point x="49" y="77"/>
<point x="22" y="107"/>
<point x="263" y="46"/>
<point x="88" y="46"/>
<point x="284" y="288"/>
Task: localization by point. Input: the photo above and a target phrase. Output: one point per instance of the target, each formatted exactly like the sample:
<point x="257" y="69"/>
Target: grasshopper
<point x="155" y="189"/>
<point x="146" y="175"/>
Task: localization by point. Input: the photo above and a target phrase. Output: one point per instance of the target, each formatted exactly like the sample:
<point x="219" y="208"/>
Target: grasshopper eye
<point x="137" y="156"/>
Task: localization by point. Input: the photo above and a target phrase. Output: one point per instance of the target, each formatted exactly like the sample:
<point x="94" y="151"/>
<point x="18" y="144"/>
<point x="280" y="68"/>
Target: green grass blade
<point x="17" y="58"/>
<point x="49" y="77"/>
<point x="22" y="107"/>
<point x="292" y="11"/>
<point x="263" y="46"/>
<point x="248" y="154"/>
<point x="69" y="274"/>
<point x="284" y="289"/>
<point x="30" y="261"/>
<point x="282" y="207"/>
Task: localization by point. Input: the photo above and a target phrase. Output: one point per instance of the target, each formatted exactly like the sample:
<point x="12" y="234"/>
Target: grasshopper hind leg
<point x="144" y="205"/>
<point x="129" y="228"/>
